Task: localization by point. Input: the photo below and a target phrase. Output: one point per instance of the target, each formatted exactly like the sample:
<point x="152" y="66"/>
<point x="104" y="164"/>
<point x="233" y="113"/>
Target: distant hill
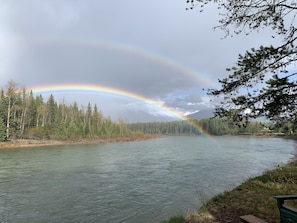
<point x="208" y="113"/>
<point x="140" y="116"/>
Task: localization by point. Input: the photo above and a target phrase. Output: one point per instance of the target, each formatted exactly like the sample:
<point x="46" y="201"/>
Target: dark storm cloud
<point x="41" y="44"/>
<point x="56" y="63"/>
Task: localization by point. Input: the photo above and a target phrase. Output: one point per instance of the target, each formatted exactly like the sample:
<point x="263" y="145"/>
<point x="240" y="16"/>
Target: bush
<point x="175" y="219"/>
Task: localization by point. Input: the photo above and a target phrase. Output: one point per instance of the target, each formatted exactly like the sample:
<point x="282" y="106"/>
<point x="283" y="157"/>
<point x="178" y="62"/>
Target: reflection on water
<point x="144" y="181"/>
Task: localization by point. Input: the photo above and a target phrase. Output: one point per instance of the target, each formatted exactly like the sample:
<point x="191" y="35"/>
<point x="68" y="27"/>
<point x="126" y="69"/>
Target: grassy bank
<point x="255" y="196"/>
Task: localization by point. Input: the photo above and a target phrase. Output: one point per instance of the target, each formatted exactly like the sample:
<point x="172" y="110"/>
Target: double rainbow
<point x="96" y="89"/>
<point x="130" y="49"/>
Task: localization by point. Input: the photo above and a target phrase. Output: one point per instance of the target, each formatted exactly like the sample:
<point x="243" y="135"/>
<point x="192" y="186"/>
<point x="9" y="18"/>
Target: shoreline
<point x="224" y="207"/>
<point x="276" y="135"/>
<point x="255" y="196"/>
<point x="24" y="143"/>
<point x="27" y="143"/>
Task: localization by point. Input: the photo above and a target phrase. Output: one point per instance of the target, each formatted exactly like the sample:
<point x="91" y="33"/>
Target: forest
<point x="25" y="116"/>
<point x="212" y="126"/>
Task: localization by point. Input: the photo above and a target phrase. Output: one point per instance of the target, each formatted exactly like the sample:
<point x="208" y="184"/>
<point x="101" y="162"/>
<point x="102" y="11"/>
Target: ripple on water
<point x="131" y="182"/>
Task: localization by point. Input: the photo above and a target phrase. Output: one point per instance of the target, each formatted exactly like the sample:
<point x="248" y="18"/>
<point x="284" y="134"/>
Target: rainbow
<point x="50" y="89"/>
<point x="131" y="49"/>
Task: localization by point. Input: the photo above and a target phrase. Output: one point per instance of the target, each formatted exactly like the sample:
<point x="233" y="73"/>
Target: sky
<point x="146" y="54"/>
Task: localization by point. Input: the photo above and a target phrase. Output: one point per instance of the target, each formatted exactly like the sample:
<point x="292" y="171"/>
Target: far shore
<point x="23" y="143"/>
<point x="274" y="135"/>
<point x="20" y="143"/>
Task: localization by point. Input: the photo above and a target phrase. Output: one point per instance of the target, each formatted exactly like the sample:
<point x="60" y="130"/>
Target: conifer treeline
<point x="23" y="115"/>
<point x="215" y="126"/>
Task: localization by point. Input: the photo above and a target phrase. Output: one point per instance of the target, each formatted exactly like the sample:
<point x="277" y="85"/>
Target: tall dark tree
<point x="2" y="104"/>
<point x="32" y="111"/>
<point x="24" y="111"/>
<point x="40" y="111"/>
<point x="97" y="118"/>
<point x="11" y="91"/>
<point x="51" y="110"/>
<point x="2" y="130"/>
<point x="89" y="119"/>
<point x="263" y="82"/>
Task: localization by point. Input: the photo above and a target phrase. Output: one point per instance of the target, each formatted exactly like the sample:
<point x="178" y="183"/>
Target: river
<point x="142" y="181"/>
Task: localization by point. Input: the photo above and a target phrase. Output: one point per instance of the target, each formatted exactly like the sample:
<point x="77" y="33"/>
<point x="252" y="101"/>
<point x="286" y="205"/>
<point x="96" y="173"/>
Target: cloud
<point x="156" y="49"/>
<point x="187" y="103"/>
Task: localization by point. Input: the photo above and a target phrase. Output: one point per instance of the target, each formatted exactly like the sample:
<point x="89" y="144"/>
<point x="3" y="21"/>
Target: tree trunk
<point x="8" y="117"/>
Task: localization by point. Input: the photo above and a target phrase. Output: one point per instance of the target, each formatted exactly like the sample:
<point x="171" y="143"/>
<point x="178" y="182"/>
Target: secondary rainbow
<point x="51" y="89"/>
<point x="149" y="55"/>
<point x="132" y="49"/>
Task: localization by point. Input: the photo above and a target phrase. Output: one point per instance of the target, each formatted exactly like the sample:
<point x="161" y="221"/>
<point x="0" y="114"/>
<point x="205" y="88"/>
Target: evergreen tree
<point x="51" y="108"/>
<point x="2" y="131"/>
<point x="3" y="110"/>
<point x="11" y="97"/>
<point x="32" y="111"/>
<point x="40" y="112"/>
<point x="89" y="120"/>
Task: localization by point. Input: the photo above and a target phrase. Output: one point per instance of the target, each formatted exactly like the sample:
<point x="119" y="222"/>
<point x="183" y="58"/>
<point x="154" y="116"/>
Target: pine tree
<point x="51" y="110"/>
<point x="11" y="95"/>
<point x="2" y="131"/>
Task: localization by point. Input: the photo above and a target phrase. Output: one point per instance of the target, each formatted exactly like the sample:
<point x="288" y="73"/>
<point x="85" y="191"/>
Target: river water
<point x="143" y="181"/>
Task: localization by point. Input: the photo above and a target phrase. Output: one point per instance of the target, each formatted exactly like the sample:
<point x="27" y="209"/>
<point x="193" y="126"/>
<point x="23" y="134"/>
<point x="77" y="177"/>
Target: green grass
<point x="255" y="196"/>
<point x="175" y="219"/>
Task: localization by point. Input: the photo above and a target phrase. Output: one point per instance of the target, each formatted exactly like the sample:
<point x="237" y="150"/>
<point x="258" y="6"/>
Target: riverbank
<point x="23" y="143"/>
<point x="272" y="135"/>
<point x="20" y="143"/>
<point x="255" y="196"/>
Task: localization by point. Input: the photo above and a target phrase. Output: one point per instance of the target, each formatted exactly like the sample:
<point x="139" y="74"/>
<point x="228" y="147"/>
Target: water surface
<point x="145" y="181"/>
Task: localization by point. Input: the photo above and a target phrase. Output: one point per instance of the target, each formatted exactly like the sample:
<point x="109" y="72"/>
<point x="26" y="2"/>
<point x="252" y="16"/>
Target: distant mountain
<point x="140" y="116"/>
<point x="207" y="113"/>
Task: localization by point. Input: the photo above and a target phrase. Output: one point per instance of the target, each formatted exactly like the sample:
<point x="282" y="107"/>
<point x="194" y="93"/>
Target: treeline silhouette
<point x="25" y="116"/>
<point x="213" y="126"/>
